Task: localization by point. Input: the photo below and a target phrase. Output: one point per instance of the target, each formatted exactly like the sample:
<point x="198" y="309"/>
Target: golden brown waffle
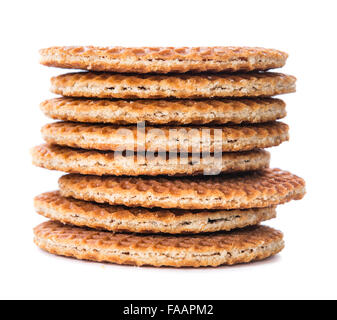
<point x="240" y="246"/>
<point x="170" y="139"/>
<point x="141" y="220"/>
<point x="238" y="191"/>
<point x="163" y="59"/>
<point x="70" y="160"/>
<point x="219" y="111"/>
<point x="107" y="85"/>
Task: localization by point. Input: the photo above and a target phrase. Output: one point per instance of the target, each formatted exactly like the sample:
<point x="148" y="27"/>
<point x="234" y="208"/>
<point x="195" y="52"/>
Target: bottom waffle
<point x="240" y="246"/>
<point x="141" y="220"/>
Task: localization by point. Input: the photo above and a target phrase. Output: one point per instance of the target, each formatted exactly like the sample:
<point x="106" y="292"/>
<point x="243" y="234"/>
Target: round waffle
<point x="220" y="111"/>
<point x="70" y="160"/>
<point x="163" y="59"/>
<point x="166" y="139"/>
<point x="141" y="220"/>
<point x="186" y="86"/>
<point x="257" y="189"/>
<point x="239" y="246"/>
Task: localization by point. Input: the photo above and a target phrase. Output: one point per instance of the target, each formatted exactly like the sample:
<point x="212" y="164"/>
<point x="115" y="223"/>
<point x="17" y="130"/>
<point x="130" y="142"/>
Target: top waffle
<point x="163" y="59"/>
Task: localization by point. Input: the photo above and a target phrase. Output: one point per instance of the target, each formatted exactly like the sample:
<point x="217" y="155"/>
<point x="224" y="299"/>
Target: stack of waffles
<point x="164" y="150"/>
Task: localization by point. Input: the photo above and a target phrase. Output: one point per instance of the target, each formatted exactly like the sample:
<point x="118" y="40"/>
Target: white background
<point x="305" y="29"/>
